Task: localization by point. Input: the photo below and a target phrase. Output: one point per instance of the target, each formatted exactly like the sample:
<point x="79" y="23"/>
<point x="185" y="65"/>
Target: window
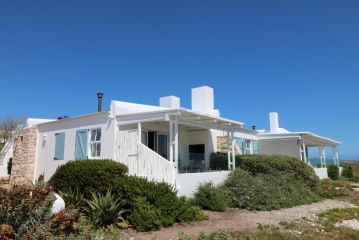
<point x="247" y="146"/>
<point x="59" y="146"/>
<point x="95" y="143"/>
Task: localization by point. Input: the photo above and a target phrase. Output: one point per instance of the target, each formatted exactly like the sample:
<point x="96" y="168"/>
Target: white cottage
<point x="162" y="143"/>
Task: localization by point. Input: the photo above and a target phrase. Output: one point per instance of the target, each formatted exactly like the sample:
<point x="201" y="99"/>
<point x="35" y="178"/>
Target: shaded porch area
<point x="314" y="150"/>
<point x="179" y="138"/>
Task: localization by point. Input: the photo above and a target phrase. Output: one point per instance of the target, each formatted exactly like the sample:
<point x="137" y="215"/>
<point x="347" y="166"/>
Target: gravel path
<point x="239" y="220"/>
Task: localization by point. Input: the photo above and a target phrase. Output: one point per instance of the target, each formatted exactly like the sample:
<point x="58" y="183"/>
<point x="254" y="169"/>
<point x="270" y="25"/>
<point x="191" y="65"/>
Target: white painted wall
<point x="287" y="146"/>
<point x="4" y="161"/>
<point x="187" y="183"/>
<point x="45" y="162"/>
<point x="322" y="173"/>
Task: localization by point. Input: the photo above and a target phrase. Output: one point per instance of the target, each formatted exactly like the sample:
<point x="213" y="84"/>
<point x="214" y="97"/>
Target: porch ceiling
<point x="184" y="116"/>
<point x="312" y="140"/>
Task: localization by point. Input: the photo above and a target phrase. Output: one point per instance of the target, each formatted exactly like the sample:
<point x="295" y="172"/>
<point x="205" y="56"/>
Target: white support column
<point x="324" y="157"/>
<point x="229" y="149"/>
<point x="305" y="153"/>
<point x="171" y="141"/>
<point x="139" y="132"/>
<point x="233" y="153"/>
<point x="335" y="155"/>
<point x="321" y="157"/>
<point x="176" y="145"/>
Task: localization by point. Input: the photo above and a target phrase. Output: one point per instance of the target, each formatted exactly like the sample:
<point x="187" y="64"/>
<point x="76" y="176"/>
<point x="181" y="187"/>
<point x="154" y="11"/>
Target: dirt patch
<point x="234" y="219"/>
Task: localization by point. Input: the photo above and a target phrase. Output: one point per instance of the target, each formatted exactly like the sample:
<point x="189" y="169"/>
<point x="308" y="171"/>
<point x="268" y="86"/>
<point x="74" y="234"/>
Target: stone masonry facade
<point x="23" y="163"/>
<point x="222" y="146"/>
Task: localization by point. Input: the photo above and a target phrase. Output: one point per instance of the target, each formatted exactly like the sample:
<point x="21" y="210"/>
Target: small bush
<point x="72" y="197"/>
<point x="160" y="195"/>
<point x="20" y="204"/>
<point x="333" y="172"/>
<point x="104" y="210"/>
<point x="87" y="175"/>
<point x="210" y="197"/>
<point x="347" y="171"/>
<point x="187" y="212"/>
<point x="271" y="182"/>
<point x="145" y="217"/>
<point x="332" y="189"/>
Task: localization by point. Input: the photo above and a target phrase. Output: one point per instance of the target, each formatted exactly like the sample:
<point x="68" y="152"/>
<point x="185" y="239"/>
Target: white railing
<point x="152" y="165"/>
<point x="141" y="160"/>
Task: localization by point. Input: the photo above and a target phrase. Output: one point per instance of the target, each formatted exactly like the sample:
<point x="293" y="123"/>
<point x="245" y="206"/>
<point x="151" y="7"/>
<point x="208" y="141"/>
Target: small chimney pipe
<point x="254" y="127"/>
<point x="99" y="101"/>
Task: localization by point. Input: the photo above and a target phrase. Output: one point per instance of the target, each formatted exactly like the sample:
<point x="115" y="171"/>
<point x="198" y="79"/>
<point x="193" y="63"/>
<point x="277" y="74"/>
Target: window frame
<point x="63" y="149"/>
<point x="90" y="143"/>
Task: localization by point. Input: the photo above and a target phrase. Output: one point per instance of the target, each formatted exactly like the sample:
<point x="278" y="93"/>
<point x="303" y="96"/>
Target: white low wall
<point x="3" y="171"/>
<point x="187" y="183"/>
<point x="322" y="173"/>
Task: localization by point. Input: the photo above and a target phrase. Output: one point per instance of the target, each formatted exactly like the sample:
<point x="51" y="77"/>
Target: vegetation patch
<point x="87" y="175"/>
<point x="271" y="182"/>
<point x="210" y="197"/>
<point x="333" y="172"/>
<point x="109" y="197"/>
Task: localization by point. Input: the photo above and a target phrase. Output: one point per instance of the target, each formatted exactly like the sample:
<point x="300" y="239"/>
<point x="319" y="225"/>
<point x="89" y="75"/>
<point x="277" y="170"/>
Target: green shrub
<point x="87" y="175"/>
<point x="271" y="182"/>
<point x="268" y="164"/>
<point x="159" y="194"/>
<point x="72" y="197"/>
<point x="266" y="191"/>
<point x="104" y="210"/>
<point x="21" y="203"/>
<point x="219" y="161"/>
<point x="347" y="171"/>
<point x="333" y="172"/>
<point x="210" y="197"/>
<point x="187" y="212"/>
<point x="144" y="216"/>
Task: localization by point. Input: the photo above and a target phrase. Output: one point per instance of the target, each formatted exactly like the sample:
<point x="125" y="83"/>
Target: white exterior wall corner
<point x="283" y="146"/>
<point x="45" y="163"/>
<point x="187" y="183"/>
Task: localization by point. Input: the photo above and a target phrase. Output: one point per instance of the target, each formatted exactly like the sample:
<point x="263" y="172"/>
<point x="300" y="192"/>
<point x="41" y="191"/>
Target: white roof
<point x="310" y="139"/>
<point x="184" y="116"/>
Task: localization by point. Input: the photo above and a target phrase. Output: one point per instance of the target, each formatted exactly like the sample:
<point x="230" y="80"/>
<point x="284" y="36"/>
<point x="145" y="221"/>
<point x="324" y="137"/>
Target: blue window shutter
<point x="255" y="147"/>
<point x="81" y="144"/>
<point x="240" y="144"/>
<point x="59" y="146"/>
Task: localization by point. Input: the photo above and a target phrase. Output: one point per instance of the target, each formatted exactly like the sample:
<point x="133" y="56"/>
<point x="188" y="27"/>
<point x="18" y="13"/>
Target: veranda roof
<point x="184" y="116"/>
<point x="310" y="139"/>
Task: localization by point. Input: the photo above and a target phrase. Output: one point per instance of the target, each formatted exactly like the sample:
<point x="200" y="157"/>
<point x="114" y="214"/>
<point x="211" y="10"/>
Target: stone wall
<point x="23" y="162"/>
<point x="222" y="145"/>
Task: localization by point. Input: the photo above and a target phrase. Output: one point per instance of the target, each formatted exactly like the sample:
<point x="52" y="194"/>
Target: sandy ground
<point x="238" y="220"/>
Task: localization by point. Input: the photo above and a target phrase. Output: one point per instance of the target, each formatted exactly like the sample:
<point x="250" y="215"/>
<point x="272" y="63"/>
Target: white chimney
<point x="274" y="122"/>
<point x="170" y="102"/>
<point x="203" y="100"/>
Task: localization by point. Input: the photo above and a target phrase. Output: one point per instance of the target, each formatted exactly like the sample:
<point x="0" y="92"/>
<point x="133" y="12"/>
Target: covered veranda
<point x="175" y="121"/>
<point x="310" y="140"/>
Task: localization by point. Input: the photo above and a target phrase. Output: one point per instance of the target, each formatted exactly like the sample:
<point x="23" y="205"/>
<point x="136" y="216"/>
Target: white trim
<point x="89" y="142"/>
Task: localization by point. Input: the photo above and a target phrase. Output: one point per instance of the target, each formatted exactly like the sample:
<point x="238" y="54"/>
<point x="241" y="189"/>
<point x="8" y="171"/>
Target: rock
<point x="58" y="205"/>
<point x="353" y="224"/>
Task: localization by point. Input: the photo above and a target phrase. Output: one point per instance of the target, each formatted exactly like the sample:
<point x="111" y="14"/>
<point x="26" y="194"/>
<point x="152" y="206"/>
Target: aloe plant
<point x="104" y="210"/>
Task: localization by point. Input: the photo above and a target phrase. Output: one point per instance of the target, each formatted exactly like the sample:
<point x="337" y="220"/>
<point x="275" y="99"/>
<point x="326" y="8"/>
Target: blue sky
<point x="299" y="58"/>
